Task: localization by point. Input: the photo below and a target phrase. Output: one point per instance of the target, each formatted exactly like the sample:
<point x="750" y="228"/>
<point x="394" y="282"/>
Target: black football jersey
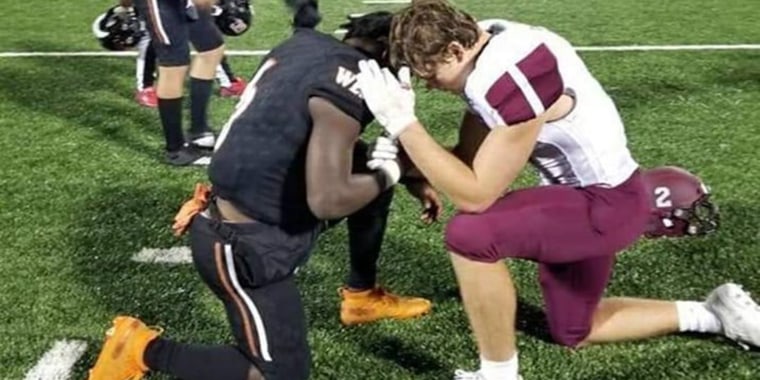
<point x="260" y="161"/>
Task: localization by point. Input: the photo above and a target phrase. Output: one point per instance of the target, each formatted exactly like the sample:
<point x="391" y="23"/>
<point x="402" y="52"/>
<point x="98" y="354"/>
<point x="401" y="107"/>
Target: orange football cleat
<point x="121" y="357"/>
<point x="375" y="304"/>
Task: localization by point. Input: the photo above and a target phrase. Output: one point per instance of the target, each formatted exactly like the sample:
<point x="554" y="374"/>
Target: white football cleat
<point x="738" y="313"/>
<point x="461" y="374"/>
<point x="204" y="140"/>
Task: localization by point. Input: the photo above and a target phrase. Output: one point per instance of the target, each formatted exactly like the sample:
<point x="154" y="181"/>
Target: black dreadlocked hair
<point x="305" y="13"/>
<point x="368" y="33"/>
<point x="375" y="26"/>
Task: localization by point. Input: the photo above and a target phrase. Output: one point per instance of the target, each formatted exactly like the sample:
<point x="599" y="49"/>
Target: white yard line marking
<point x="174" y="255"/>
<point x="58" y="362"/>
<point x="109" y="53"/>
<point x="669" y="47"/>
<point x="387" y="1"/>
<point x="340" y="31"/>
<point x="23" y="54"/>
<point x="254" y="53"/>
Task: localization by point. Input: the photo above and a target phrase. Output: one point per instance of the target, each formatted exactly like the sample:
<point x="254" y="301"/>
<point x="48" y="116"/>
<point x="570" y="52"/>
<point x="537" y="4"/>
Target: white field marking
<point x="387" y="1"/>
<point x="249" y="53"/>
<point x="252" y="53"/>
<point x="340" y="31"/>
<point x="352" y="15"/>
<point x="669" y="47"/>
<point x="57" y="363"/>
<point x="174" y="255"/>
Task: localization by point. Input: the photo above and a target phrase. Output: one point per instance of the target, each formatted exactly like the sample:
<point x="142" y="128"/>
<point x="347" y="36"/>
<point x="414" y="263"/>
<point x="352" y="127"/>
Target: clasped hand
<point x="390" y="99"/>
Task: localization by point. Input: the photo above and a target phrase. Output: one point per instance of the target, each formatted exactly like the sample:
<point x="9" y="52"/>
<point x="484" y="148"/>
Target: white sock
<point x="695" y="317"/>
<point x="221" y="76"/>
<point x="492" y="370"/>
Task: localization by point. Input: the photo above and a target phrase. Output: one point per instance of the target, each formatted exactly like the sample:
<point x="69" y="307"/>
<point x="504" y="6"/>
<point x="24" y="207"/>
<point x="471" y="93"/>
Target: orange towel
<point x="190" y="208"/>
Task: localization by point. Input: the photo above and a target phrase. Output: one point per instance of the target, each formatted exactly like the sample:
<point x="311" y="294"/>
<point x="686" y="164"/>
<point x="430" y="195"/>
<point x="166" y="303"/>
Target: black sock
<point x="200" y="94"/>
<point x="227" y="69"/>
<point x="149" y="71"/>
<point x="170" y="111"/>
<point x="366" y="229"/>
<point x="196" y="362"/>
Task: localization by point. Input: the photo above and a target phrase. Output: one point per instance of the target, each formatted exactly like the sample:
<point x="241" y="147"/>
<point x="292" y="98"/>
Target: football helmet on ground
<point x="680" y="203"/>
<point x="118" y="28"/>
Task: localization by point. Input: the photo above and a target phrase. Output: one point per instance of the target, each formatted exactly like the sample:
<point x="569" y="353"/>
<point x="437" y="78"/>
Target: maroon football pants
<point x="572" y="233"/>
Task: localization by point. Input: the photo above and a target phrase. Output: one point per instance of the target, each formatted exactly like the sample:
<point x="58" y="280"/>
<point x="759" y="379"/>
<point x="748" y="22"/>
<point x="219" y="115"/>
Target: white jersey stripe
<point x="527" y="89"/>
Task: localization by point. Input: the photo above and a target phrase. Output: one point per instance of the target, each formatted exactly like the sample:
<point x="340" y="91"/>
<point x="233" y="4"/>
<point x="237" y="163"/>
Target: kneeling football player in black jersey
<point x="287" y="165"/>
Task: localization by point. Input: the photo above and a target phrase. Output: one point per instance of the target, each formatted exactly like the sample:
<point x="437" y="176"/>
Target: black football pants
<point x="250" y="267"/>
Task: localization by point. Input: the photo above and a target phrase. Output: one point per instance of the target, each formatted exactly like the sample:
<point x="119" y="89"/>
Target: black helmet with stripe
<point x="233" y="17"/>
<point x="118" y="28"/>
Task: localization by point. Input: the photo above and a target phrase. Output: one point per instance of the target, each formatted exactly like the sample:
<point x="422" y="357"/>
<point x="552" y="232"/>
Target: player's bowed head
<point x="367" y="33"/>
<point x="432" y="38"/>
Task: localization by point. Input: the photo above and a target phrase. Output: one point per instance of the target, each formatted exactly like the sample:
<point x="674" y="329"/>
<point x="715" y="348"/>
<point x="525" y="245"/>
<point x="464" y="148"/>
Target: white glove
<point x="391" y="100"/>
<point x="383" y="158"/>
<point x="384" y="149"/>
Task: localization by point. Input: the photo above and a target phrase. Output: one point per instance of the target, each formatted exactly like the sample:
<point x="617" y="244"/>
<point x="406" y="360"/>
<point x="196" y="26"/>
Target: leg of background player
<point x="202" y="74"/>
<point x="209" y="43"/>
<point x="171" y="81"/>
<point x="230" y="86"/>
<point x="145" y="93"/>
<point x="170" y="35"/>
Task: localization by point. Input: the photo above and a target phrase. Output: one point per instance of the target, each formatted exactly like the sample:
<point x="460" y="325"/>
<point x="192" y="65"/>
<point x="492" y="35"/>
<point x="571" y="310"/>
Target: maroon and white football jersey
<point x="520" y="73"/>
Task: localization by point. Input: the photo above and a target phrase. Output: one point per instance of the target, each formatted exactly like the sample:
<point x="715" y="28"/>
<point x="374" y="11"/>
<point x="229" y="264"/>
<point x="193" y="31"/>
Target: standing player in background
<point x="121" y="28"/>
<point x="531" y="99"/>
<point x="234" y="18"/>
<point x="173" y="25"/>
<point x="288" y="164"/>
<point x="145" y="74"/>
